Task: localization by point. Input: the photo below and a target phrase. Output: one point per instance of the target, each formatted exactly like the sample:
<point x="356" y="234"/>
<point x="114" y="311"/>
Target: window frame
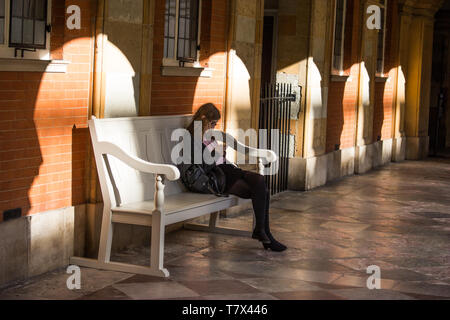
<point x="4" y="24"/>
<point x="174" y="62"/>
<point x="9" y="52"/>
<point x="334" y="71"/>
<point x="380" y="73"/>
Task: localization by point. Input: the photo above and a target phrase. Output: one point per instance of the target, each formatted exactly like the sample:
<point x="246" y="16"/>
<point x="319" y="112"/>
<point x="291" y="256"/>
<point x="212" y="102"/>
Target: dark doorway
<point x="268" y="50"/>
<point x="440" y="82"/>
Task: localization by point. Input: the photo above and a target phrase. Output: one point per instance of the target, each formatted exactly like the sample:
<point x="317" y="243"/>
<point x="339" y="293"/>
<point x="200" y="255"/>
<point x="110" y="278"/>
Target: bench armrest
<point x="266" y="154"/>
<point x="170" y="171"/>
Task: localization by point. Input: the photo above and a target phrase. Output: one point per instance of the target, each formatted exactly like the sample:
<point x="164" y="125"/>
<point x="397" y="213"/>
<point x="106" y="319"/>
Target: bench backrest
<point x="148" y="138"/>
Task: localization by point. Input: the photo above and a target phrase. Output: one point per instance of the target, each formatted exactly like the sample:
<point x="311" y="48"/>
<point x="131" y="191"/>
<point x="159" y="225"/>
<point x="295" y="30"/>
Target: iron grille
<point x="275" y="113"/>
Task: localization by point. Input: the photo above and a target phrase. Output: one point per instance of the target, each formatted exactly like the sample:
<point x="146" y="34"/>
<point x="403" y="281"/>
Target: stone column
<point x="418" y="77"/>
<point x="364" y="151"/>
<point x="244" y="65"/>
<point x="399" y="135"/>
<point x="310" y="171"/>
<point x="292" y="42"/>
<point x="122" y="57"/>
<point x="146" y="57"/>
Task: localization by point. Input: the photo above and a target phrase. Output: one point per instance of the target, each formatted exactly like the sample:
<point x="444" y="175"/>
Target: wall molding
<point x="33" y="65"/>
<point x="313" y="172"/>
<point x="170" y="71"/>
<point x="38" y="243"/>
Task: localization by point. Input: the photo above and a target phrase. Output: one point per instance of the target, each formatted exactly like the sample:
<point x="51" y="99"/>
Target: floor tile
<point x="140" y="278"/>
<point x="366" y="294"/>
<point x="155" y="290"/>
<point x="241" y="296"/>
<point x="191" y="273"/>
<point x="361" y="282"/>
<point x="279" y="285"/>
<point x="108" y="293"/>
<point x="424" y="289"/>
<point x="217" y="287"/>
<point x="306" y="295"/>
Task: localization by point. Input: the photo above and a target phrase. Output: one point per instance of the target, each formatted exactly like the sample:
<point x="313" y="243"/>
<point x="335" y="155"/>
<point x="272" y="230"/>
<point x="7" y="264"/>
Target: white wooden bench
<point x="140" y="186"/>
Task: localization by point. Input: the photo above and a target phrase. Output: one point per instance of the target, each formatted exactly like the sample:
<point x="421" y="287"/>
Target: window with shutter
<point x="25" y="29"/>
<point x="339" y="31"/>
<point x="381" y="39"/>
<point x="28" y="24"/>
<point x="181" y="32"/>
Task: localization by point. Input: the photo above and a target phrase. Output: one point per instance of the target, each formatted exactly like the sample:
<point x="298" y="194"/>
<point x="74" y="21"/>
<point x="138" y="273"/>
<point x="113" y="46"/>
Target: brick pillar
<point x="310" y="171"/>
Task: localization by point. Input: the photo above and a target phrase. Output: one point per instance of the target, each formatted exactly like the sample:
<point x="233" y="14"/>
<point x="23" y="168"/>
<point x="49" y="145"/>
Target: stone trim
<point x="170" y="71"/>
<point x="313" y="172"/>
<point x="381" y="78"/>
<point x="32" y="65"/>
<point x="339" y="78"/>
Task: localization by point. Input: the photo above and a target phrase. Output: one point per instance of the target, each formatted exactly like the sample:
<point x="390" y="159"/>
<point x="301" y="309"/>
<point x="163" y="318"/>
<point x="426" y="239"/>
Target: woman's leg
<point x="252" y="185"/>
<point x="274" y="244"/>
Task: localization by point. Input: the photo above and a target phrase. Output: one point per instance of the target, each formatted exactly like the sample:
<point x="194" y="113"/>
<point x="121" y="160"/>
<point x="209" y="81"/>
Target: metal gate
<point x="274" y="115"/>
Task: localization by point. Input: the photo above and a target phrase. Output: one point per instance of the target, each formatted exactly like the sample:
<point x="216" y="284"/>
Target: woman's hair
<point x="206" y="113"/>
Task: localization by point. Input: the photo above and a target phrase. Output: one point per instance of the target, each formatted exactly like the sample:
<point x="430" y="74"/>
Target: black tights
<point x="251" y="185"/>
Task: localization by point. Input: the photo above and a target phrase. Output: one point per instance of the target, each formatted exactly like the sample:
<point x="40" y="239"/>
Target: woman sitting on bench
<point x="244" y="184"/>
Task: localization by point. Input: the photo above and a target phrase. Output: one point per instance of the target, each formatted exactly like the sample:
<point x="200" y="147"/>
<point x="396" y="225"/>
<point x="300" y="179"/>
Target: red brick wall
<point x="382" y="117"/>
<point x="180" y="95"/>
<point x="341" y="119"/>
<point x="342" y="96"/>
<point x="43" y="120"/>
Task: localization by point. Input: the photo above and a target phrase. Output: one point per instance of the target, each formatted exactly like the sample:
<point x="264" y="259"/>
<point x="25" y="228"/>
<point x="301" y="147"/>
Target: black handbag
<point x="203" y="178"/>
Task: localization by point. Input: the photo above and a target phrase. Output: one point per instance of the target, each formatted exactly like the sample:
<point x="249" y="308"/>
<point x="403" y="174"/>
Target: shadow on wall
<point x="125" y="76"/>
<point x="20" y="147"/>
<point x="39" y="111"/>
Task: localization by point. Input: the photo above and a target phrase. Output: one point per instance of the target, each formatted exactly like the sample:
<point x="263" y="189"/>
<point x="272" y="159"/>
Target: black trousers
<point x="249" y="185"/>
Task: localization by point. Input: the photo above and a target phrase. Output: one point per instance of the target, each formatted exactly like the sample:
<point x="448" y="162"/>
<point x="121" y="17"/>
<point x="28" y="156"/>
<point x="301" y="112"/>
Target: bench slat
<point x="185" y="204"/>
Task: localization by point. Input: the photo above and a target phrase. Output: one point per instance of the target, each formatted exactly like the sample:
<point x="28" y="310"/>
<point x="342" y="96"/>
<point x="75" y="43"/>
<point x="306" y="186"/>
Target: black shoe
<point x="261" y="236"/>
<point x="274" y="245"/>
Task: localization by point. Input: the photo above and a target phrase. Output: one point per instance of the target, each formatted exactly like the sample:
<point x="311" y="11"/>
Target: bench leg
<point x="103" y="262"/>
<point x="157" y="245"/>
<point x="106" y="235"/>
<point x="213" y="218"/>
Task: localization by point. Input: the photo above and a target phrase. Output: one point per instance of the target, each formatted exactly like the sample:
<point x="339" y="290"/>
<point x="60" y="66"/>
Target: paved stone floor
<point x="396" y="217"/>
